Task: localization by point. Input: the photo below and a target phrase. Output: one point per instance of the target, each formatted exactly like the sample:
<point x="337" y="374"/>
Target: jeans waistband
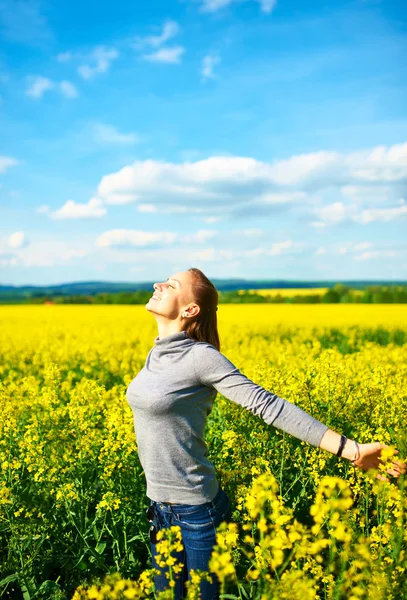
<point x="185" y="508"/>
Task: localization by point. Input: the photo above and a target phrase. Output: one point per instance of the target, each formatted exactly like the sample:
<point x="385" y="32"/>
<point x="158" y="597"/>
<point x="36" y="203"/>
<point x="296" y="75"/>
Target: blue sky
<point x="249" y="138"/>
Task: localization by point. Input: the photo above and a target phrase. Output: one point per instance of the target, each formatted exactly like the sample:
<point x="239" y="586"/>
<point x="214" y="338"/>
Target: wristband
<point x="341" y="445"/>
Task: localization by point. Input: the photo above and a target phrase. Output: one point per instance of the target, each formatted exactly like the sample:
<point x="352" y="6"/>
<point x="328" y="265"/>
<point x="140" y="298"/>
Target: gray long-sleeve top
<point x="171" y="398"/>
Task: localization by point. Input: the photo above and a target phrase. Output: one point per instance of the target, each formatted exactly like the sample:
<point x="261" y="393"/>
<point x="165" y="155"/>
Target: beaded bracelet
<point x="357" y="452"/>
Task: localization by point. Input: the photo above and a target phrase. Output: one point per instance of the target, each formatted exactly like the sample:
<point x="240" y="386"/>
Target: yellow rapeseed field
<point x="306" y="525"/>
<point x="288" y="292"/>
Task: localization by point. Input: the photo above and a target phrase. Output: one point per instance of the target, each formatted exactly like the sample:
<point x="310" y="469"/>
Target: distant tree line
<point x="339" y="293"/>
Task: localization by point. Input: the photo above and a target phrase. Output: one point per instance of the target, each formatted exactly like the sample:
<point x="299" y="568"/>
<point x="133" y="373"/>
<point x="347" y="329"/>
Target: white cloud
<point x="71" y="210"/>
<point x="39" y="86"/>
<point x="126" y="238"/>
<point x="209" y="62"/>
<point x="382" y="214"/>
<point x="223" y="185"/>
<point x="333" y="214"/>
<point x="205" y="184"/>
<point x="166" y="55"/>
<point x="276" y="249"/>
<point x="320" y="251"/>
<point x="147" y="208"/>
<point x="282" y="198"/>
<point x="212" y="219"/>
<point x="6" y="162"/>
<point x="101" y="57"/>
<point x="169" y="30"/>
<point x="131" y="237"/>
<point x="44" y="208"/>
<point x="161" y="54"/>
<point x="200" y="236"/>
<point x="379" y="254"/>
<point x="282" y="247"/>
<point x="371" y="193"/>
<point x="8" y="260"/>
<point x="362" y="246"/>
<point x="64" y="57"/>
<point x="267" y="5"/>
<point x="46" y="253"/>
<point x="110" y="135"/>
<point x="210" y="254"/>
<point x="17" y="240"/>
<point x="249" y="232"/>
<point x="211" y="6"/>
<point x="68" y="89"/>
<point x="214" y="5"/>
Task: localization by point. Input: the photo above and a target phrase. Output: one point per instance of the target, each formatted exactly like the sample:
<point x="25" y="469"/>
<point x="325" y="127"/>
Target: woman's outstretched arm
<point x="365" y="456"/>
<point x="214" y="369"/>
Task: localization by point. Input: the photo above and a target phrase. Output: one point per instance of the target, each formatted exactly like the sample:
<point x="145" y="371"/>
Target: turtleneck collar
<point x="173" y="337"/>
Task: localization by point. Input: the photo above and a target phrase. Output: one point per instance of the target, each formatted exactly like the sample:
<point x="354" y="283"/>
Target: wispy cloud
<point x="383" y="214"/>
<point x="382" y="253"/>
<point x="39" y="86"/>
<point x="166" y="55"/>
<point x="211" y="6"/>
<point x="18" y="240"/>
<point x="276" y="249"/>
<point x="267" y="5"/>
<point x="249" y="232"/>
<point x="110" y="135"/>
<point x="6" y="162"/>
<point x="169" y="30"/>
<point x="208" y="64"/>
<point x="338" y="212"/>
<point x="132" y="237"/>
<point x="214" y="5"/>
<point x="46" y="253"/>
<point x="68" y="89"/>
<point x="100" y="58"/>
<point x="94" y="209"/>
<point x="199" y="237"/>
<point x="161" y="54"/>
<point x="124" y="238"/>
<point x="64" y="57"/>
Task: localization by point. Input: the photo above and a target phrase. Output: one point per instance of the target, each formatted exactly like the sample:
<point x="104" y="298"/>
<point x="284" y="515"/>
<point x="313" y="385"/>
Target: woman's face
<point x="172" y="298"/>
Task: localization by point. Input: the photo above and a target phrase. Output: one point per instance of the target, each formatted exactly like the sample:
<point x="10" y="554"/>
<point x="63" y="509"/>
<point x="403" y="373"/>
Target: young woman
<point x="171" y="398"/>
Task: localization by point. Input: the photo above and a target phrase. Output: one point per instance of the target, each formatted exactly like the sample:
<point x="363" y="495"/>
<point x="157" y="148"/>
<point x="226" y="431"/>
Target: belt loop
<point x="173" y="512"/>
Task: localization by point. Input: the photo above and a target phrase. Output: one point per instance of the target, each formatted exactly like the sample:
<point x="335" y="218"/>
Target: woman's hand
<point x="370" y="458"/>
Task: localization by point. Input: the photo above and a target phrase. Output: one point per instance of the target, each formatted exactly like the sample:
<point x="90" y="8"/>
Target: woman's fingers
<point x="401" y="465"/>
<point x="393" y="472"/>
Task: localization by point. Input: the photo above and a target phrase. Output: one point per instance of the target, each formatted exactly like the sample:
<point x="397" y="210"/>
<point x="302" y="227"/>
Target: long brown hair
<point x="204" y="327"/>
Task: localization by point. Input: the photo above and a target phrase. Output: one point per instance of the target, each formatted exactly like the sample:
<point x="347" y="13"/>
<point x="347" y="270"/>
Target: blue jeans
<point x="197" y="523"/>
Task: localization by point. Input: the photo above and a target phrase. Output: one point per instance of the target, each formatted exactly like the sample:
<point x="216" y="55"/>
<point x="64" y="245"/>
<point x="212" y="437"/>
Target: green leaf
<point x="100" y="547"/>
<point x="9" y="579"/>
<point x="83" y="565"/>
